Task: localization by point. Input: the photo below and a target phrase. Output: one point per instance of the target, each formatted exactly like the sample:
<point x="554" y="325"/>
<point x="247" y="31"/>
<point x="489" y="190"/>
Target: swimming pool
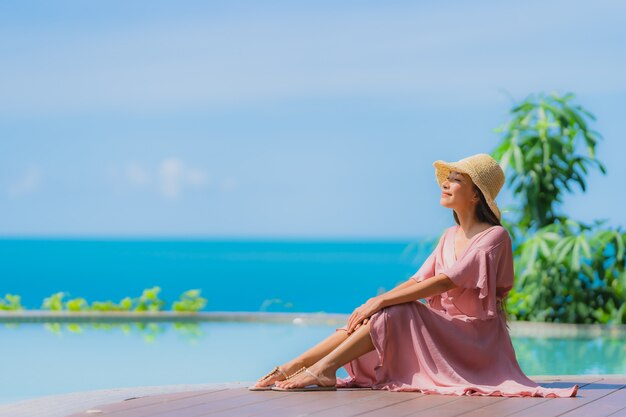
<point x="52" y="358"/>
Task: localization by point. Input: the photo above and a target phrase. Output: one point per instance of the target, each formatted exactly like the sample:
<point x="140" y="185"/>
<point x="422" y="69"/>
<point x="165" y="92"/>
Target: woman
<point x="458" y="343"/>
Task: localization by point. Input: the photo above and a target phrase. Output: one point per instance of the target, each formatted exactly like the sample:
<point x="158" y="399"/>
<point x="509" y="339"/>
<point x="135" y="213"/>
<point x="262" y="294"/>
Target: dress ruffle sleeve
<point x="475" y="276"/>
<point x="427" y="270"/>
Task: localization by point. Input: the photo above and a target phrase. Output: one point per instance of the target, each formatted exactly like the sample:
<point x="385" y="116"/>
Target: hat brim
<point x="442" y="171"/>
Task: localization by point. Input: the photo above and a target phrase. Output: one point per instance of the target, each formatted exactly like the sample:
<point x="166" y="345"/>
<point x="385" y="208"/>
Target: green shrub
<point x="149" y="300"/>
<point x="569" y="274"/>
<point x="77" y="304"/>
<point x="11" y="302"/>
<point x="54" y="302"/>
<point x="125" y="305"/>
<point x="539" y="146"/>
<point x="190" y="301"/>
<point x="566" y="271"/>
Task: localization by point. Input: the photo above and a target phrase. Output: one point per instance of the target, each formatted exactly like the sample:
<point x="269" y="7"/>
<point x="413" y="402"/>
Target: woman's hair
<point x="485" y="215"/>
<point x="483" y="212"/>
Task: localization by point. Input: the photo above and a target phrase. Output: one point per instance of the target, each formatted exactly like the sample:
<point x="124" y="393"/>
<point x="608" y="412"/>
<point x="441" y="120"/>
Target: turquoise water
<point x="49" y="359"/>
<point x="302" y="276"/>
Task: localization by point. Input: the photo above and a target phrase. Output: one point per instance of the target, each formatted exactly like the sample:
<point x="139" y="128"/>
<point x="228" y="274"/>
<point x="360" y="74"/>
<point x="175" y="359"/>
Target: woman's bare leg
<point x="309" y="357"/>
<point x="359" y="343"/>
<point x="320" y="350"/>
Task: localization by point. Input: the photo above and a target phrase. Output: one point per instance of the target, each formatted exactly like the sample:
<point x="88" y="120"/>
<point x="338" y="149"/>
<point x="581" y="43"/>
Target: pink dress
<point x="457" y="344"/>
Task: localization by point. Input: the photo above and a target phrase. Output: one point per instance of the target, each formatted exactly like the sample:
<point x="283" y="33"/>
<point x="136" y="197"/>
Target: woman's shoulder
<point x="488" y="239"/>
<point x="494" y="236"/>
<point x="499" y="230"/>
<point x="449" y="231"/>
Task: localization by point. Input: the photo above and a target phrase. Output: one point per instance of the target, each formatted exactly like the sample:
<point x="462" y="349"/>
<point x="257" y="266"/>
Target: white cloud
<point x="28" y="182"/>
<point x="170" y="173"/>
<point x="169" y="178"/>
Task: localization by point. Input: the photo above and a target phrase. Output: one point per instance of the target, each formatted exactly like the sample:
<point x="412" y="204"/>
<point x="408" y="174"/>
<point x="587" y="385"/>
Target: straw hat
<point x="484" y="171"/>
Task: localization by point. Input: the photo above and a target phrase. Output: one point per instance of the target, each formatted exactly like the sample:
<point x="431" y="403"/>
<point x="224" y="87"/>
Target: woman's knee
<point x="398" y="309"/>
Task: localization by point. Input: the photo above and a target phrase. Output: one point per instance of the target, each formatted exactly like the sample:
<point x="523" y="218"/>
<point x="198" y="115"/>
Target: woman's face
<point x="457" y="191"/>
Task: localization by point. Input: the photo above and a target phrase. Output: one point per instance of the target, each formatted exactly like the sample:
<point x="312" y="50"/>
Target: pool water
<point x="46" y="359"/>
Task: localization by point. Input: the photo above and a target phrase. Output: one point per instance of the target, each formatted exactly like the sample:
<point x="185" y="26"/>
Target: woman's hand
<point x="363" y="323"/>
<point x="360" y="314"/>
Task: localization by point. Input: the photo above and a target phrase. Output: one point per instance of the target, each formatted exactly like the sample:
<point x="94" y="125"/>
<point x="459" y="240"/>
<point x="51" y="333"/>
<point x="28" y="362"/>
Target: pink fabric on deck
<point x="457" y="344"/>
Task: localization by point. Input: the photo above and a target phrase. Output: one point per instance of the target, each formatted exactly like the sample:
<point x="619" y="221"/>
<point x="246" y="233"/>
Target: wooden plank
<point x="619" y="413"/>
<point x="217" y="399"/>
<point x="367" y="404"/>
<point x="604" y="406"/>
<point x="139" y="402"/>
<point x="557" y="406"/>
<point x="424" y="403"/>
<point x="460" y="405"/>
<point x="270" y="402"/>
<point x="503" y="408"/>
<point x="193" y="407"/>
<point x="299" y="403"/>
<point x="512" y="405"/>
<point x="597" y="396"/>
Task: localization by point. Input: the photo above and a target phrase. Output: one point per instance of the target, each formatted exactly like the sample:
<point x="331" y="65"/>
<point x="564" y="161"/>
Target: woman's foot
<point x="325" y="378"/>
<point x="279" y="375"/>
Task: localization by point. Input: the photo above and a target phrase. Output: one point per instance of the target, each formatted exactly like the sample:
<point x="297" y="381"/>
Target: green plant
<point x="125" y="305"/>
<point x="540" y="144"/>
<point x="54" y="302"/>
<point x="149" y="300"/>
<point x="77" y="304"/>
<point x="11" y="302"/>
<point x="569" y="274"/>
<point x="566" y="271"/>
<point x="190" y="301"/>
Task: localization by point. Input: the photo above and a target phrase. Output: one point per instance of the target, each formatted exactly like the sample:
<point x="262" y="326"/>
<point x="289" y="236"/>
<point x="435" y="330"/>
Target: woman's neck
<point x="468" y="223"/>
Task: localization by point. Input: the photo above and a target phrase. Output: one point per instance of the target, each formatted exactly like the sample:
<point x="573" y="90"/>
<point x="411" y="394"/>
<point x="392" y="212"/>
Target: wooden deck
<point x="597" y="396"/>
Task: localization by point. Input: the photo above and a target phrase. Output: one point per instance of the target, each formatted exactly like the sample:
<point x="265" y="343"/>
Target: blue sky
<point x="283" y="119"/>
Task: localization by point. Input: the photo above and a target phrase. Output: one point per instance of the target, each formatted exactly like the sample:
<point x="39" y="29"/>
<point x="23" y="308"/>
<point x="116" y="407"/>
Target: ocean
<point x="233" y="275"/>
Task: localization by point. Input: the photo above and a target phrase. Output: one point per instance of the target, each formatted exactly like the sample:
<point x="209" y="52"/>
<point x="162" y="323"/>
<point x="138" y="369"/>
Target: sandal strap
<point x="299" y="371"/>
<point x="319" y="383"/>
<point x="274" y="371"/>
<point x="282" y="372"/>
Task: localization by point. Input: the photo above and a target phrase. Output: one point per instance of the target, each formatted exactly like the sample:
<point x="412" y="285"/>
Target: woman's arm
<point x="416" y="290"/>
<point x="395" y="289"/>
<point x="405" y="292"/>
<point x="398" y="287"/>
<point x="405" y="284"/>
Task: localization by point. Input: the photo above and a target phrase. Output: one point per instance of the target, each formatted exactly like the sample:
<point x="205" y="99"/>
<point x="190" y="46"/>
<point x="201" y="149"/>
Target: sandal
<point x="273" y="372"/>
<point x="310" y="387"/>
